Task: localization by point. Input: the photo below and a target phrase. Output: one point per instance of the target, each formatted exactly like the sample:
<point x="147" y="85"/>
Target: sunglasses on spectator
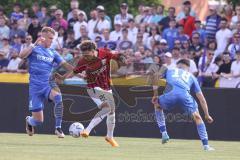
<point x="210" y="54"/>
<point x="28" y="38"/>
<point x="236" y="36"/>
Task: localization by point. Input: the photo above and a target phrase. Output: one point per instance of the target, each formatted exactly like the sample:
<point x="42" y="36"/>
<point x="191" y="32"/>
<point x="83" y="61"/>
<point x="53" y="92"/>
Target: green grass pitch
<point x="49" y="147"/>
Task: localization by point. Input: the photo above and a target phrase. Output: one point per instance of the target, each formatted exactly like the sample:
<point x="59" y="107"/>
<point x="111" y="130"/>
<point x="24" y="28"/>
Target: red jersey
<point x="97" y="69"/>
<point x="188" y="25"/>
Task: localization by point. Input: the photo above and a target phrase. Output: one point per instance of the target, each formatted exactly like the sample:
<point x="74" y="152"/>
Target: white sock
<point x="95" y="121"/>
<point x="110" y="125"/>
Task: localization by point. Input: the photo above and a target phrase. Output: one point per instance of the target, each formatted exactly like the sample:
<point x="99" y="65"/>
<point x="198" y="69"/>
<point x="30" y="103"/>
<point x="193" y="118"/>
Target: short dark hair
<point x="176" y="48"/>
<point x="186" y="3"/>
<point x="131" y="20"/>
<point x="172" y="8"/>
<point x="226" y="53"/>
<point x="184" y="61"/>
<point x="17" y="5"/>
<point x="218" y="59"/>
<point x="224" y="19"/>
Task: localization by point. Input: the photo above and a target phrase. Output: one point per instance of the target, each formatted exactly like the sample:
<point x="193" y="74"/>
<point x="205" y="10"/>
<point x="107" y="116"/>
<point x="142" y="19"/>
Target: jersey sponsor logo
<point x="45" y="59"/>
<point x="100" y="70"/>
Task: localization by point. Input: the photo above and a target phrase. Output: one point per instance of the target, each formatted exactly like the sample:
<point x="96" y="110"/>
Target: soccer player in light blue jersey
<point x="41" y="61"/>
<point x="180" y="83"/>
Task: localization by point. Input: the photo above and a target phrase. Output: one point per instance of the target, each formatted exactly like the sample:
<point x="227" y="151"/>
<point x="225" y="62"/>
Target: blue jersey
<point x="179" y="80"/>
<point x="170" y="35"/>
<point x="177" y="92"/>
<point x="41" y="63"/>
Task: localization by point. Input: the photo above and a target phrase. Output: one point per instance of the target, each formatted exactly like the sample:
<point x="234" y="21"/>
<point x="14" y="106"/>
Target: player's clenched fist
<point x="39" y="41"/>
<point x="209" y="119"/>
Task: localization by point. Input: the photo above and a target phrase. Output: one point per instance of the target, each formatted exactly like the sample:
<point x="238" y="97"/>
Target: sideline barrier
<point x="134" y="113"/>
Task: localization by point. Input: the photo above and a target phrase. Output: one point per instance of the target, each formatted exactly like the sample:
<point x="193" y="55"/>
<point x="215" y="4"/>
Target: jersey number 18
<point x="184" y="76"/>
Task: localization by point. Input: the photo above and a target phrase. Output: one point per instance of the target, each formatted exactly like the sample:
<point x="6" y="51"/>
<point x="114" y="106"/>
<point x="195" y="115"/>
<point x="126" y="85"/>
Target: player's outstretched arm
<point x="67" y="66"/>
<point x="27" y="51"/>
<point x="204" y="106"/>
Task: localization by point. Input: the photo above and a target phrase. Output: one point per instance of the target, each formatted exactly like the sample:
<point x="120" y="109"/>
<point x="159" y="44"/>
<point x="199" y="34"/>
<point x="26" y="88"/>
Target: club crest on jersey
<point x="104" y="61"/>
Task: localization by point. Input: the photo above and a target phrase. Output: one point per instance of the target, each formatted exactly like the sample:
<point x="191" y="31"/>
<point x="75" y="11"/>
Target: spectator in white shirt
<point x="185" y="54"/>
<point x="74" y="18"/>
<point x="28" y="42"/>
<point x="14" y="62"/>
<point x="4" y="29"/>
<point x="207" y="69"/>
<point x="140" y="16"/>
<point x="77" y="25"/>
<point x="223" y="36"/>
<point x="154" y="35"/>
<point x="143" y="30"/>
<point x="106" y="35"/>
<point x="176" y="56"/>
<point x="132" y="31"/>
<point x="91" y="24"/>
<point x="74" y="4"/>
<point x="102" y="23"/>
<point x="235" y="18"/>
<point x="235" y="46"/>
<point x="5" y="47"/>
<point x="237" y="30"/>
<point x="168" y="61"/>
<point x="116" y="34"/>
<point x="124" y="16"/>
<point x="148" y="16"/>
<point x="234" y="76"/>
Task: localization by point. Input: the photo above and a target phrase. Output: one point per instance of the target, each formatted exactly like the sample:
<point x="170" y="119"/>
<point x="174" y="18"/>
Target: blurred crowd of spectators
<point x="155" y="34"/>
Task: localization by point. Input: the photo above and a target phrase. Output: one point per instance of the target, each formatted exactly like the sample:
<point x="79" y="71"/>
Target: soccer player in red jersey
<point x="96" y="65"/>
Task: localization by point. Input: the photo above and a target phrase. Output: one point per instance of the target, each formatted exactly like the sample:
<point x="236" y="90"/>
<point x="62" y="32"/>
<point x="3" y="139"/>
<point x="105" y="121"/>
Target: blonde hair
<point x="48" y="30"/>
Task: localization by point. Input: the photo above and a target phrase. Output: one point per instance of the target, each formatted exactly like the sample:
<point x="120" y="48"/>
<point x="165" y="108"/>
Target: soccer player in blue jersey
<point x="177" y="93"/>
<point x="41" y="61"/>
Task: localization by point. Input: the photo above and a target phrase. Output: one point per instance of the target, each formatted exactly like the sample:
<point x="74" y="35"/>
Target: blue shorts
<point x="52" y="83"/>
<point x="183" y="100"/>
<point x="37" y="95"/>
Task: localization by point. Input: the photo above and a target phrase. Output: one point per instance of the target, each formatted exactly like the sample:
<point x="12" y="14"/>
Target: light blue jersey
<point x="177" y="93"/>
<point x="41" y="63"/>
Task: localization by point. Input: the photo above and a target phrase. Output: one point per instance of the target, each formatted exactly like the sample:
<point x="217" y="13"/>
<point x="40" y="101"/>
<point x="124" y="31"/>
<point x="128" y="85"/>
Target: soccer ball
<point x="75" y="129"/>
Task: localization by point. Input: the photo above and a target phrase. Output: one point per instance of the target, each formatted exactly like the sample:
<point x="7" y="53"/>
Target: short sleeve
<point x="58" y="59"/>
<point x="195" y="86"/>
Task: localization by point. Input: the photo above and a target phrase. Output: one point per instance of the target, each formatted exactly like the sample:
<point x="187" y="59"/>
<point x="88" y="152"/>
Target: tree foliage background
<point x="111" y="6"/>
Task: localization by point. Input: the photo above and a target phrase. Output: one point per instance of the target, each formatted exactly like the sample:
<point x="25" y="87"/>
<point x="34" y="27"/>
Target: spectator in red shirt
<point x="188" y="22"/>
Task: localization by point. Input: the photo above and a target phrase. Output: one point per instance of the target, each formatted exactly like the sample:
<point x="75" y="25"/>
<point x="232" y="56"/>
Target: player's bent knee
<point x="157" y="107"/>
<point x="57" y="99"/>
<point x="197" y="117"/>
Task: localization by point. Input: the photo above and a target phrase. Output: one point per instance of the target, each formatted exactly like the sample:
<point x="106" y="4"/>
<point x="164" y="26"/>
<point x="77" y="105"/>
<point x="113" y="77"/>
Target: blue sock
<point x="202" y="132"/>
<point x="160" y="120"/>
<point x="33" y="122"/>
<point x="58" y="111"/>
